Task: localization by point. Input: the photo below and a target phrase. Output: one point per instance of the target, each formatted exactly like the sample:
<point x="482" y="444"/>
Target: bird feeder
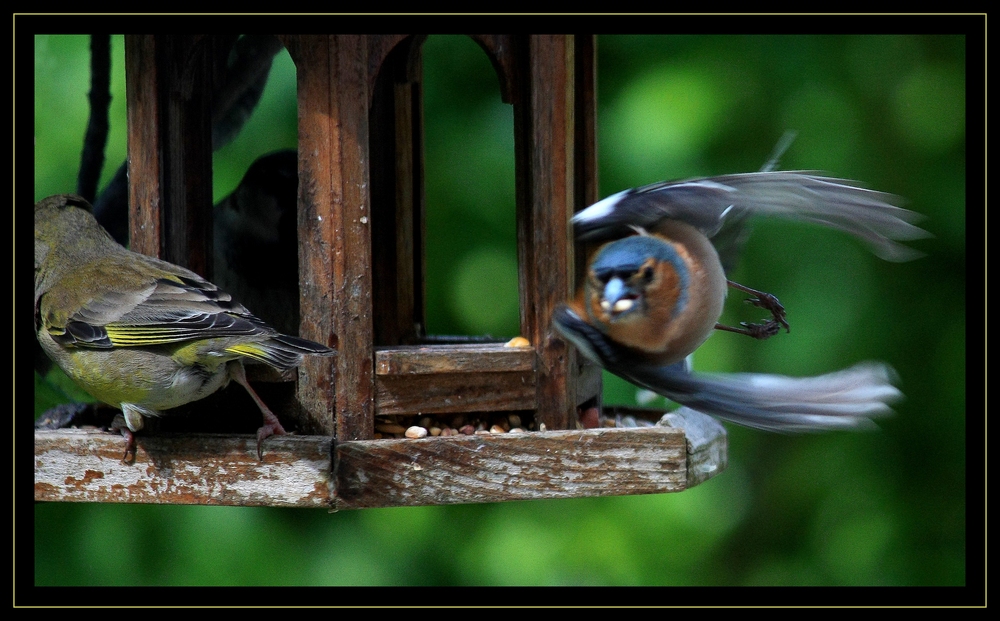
<point x="361" y="278"/>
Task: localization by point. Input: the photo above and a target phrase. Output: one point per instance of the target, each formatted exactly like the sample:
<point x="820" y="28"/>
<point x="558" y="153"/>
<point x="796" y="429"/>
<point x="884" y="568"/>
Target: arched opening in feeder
<point x="469" y="184"/>
<point x="444" y="238"/>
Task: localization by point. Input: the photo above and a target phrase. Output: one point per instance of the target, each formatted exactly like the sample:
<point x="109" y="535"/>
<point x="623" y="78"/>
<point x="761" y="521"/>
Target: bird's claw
<point x="118" y="424"/>
<point x="762" y="331"/>
<point x="271" y="427"/>
<point x="770" y="303"/>
<point x="768" y="328"/>
<point x="129" y="448"/>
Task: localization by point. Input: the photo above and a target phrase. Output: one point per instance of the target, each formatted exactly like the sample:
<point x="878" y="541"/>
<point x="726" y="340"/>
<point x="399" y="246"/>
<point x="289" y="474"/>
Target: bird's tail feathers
<point x="847" y="399"/>
<point x="282" y="351"/>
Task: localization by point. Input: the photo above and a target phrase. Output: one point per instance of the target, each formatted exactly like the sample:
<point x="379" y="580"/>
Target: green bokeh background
<point x="885" y="508"/>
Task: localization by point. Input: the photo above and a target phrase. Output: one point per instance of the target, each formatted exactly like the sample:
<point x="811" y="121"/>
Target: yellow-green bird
<point x="138" y="333"/>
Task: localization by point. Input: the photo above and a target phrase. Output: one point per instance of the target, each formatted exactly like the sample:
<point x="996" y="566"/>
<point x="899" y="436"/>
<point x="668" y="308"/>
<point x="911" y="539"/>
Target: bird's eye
<point x="647" y="273"/>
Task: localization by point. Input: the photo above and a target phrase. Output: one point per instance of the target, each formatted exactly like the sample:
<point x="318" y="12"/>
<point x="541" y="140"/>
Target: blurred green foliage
<point x="886" y="508"/>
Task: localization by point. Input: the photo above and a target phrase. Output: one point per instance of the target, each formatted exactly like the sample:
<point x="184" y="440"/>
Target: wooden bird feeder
<point x="361" y="239"/>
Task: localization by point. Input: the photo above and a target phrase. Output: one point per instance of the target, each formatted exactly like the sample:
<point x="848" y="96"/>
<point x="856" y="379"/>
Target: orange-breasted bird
<point x="654" y="292"/>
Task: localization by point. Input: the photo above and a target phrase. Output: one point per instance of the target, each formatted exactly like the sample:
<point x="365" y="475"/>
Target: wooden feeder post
<point x="361" y="179"/>
<point x="361" y="267"/>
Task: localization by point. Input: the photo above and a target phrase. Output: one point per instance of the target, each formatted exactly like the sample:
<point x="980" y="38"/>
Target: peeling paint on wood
<point x="85" y="466"/>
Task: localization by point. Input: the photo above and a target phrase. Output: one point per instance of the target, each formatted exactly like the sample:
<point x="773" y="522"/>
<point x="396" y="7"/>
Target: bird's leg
<point x="118" y="424"/>
<point x="272" y="426"/>
<point x="763" y="300"/>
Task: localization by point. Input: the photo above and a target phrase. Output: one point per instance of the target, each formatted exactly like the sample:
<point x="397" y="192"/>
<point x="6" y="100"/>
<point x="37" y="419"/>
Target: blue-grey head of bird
<point x="624" y="271"/>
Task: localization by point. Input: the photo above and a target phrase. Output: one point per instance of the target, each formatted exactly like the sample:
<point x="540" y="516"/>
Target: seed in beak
<point x="623" y="305"/>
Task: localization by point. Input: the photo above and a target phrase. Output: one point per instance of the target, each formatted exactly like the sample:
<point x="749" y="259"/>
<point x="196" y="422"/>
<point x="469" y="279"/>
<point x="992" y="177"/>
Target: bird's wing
<point x="707" y="203"/>
<point x="174" y="306"/>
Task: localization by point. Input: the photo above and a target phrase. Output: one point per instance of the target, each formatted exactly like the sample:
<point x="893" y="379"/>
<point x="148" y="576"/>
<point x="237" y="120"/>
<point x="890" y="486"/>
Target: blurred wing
<point x="699" y="202"/>
<point x="707" y="203"/>
<point x="847" y="399"/>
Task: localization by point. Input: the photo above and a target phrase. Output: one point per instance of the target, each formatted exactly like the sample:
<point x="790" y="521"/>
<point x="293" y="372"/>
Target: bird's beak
<point x="616" y="298"/>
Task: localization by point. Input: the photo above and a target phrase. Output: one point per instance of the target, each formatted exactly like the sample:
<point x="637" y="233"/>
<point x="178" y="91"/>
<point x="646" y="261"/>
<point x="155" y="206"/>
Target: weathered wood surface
<point x="462" y="358"/>
<point x="453" y="393"/>
<point x="85" y="466"/>
<point x="334" y="232"/>
<point x="502" y="467"/>
<point x="454" y="378"/>
<point x="544" y="167"/>
<point x="707" y="442"/>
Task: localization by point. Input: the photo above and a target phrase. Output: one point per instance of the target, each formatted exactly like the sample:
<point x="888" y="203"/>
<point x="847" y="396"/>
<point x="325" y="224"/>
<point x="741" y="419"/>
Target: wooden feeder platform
<point x="361" y="278"/>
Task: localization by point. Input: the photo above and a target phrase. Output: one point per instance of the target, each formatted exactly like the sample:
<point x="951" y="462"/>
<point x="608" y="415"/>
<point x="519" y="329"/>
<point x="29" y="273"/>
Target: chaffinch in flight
<point x="138" y="333"/>
<point x="654" y="293"/>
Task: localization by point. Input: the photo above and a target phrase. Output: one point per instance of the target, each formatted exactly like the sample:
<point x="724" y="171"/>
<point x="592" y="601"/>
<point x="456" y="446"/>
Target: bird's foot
<point x="272" y="427"/>
<point x="118" y="424"/>
<point x="768" y="302"/>
<point x="761" y="331"/>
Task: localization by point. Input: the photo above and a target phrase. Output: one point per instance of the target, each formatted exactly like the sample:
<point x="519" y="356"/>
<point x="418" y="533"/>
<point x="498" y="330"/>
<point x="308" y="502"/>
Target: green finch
<point x="138" y="333"/>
